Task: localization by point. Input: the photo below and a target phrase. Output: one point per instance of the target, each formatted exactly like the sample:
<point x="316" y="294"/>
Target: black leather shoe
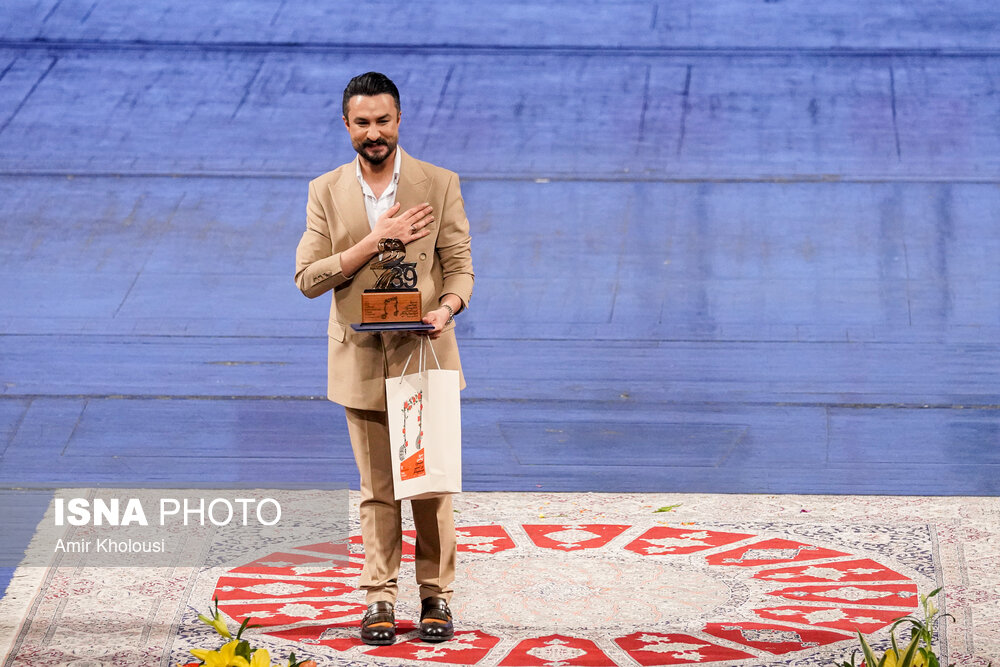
<point x="435" y="620"/>
<point x="378" y="612"/>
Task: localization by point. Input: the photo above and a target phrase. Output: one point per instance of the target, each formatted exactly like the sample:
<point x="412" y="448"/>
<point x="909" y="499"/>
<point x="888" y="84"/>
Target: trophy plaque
<point x="394" y="303"/>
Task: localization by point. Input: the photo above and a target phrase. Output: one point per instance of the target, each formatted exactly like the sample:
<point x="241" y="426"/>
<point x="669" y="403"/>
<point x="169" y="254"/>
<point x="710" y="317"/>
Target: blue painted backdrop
<point x="733" y="246"/>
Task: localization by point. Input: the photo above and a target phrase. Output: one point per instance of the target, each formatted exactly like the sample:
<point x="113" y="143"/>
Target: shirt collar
<point x="395" y="172"/>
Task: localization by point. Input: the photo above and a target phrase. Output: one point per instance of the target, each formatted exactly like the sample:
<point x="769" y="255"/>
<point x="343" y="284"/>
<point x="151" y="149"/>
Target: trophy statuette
<point x="394" y="303"/>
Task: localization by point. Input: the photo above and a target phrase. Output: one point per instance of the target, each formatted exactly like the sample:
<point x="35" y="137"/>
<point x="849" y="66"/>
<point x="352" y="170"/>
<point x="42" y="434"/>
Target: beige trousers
<point x="381" y="527"/>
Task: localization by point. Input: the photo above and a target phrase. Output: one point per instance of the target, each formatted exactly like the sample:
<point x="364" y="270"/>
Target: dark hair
<point x="370" y="84"/>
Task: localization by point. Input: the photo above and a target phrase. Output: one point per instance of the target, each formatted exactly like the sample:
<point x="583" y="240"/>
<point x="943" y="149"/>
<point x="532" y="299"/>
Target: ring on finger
<point x="413" y="230"/>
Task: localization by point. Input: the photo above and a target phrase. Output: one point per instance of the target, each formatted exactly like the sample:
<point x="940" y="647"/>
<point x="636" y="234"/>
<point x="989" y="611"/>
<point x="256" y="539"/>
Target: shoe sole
<point x="372" y="642"/>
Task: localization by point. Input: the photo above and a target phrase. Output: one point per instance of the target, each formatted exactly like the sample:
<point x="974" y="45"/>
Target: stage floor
<point x="565" y="579"/>
<point x="718" y="248"/>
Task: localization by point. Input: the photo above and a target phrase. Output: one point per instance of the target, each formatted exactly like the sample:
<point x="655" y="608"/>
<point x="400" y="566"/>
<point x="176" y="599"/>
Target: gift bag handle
<point x="430" y="344"/>
<point x="421" y="358"/>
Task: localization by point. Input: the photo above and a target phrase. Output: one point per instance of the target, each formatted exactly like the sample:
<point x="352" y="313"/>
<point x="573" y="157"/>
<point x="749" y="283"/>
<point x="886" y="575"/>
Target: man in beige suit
<point x="385" y="193"/>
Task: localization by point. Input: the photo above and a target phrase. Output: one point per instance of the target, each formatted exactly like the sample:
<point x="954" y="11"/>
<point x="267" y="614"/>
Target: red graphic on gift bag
<point x="411" y="465"/>
<point x="654" y="648"/>
<point x="573" y="537"/>
<point x="842" y="618"/>
<point x="771" y="552"/>
<point x="776" y="639"/>
<point x="415" y="401"/>
<point x="556" y="650"/>
<point x="665" y="540"/>
<point x="843" y="571"/>
<point x="464" y="648"/>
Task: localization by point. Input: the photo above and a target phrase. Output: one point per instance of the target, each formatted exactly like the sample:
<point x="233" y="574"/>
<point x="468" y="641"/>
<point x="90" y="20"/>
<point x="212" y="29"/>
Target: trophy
<point x="394" y="302"/>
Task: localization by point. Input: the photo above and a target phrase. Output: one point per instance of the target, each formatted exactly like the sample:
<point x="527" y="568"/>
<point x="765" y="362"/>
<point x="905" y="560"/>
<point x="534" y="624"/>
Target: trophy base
<point x="383" y="307"/>
<point x="375" y="327"/>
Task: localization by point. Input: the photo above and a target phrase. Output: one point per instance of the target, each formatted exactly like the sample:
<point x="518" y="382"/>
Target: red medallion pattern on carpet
<point x="560" y="579"/>
<point x="688" y="595"/>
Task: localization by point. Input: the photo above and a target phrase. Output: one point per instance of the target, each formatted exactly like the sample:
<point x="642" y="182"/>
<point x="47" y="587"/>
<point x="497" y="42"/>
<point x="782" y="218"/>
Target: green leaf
<point x="243" y="626"/>
<point x="918" y="626"/>
<point x="911" y="651"/>
<point x="243" y="649"/>
<point x="867" y="650"/>
<point x="854" y="655"/>
<point x="668" y="508"/>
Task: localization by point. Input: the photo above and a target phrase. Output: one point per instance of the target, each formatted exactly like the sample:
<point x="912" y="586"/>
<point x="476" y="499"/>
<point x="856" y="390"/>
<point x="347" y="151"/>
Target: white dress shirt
<point x="376" y="206"/>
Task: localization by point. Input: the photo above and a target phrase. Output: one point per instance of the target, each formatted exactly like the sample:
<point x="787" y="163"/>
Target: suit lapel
<point x="350" y="202"/>
<point x="414" y="186"/>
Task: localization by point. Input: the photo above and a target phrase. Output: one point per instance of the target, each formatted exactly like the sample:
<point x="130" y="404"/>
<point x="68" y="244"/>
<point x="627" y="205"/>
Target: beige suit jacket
<point x="336" y="220"/>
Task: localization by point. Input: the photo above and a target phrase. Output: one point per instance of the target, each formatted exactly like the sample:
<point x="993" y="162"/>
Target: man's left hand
<point x="438" y="318"/>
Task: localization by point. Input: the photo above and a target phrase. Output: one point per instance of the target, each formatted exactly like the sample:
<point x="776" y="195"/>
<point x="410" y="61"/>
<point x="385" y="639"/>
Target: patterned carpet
<point x="566" y="579"/>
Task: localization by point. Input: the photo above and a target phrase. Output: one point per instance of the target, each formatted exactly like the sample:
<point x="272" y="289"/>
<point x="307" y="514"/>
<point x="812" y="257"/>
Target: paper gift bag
<point x="425" y="430"/>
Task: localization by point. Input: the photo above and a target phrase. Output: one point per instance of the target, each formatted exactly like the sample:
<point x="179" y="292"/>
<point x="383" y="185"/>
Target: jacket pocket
<point x="336" y="331"/>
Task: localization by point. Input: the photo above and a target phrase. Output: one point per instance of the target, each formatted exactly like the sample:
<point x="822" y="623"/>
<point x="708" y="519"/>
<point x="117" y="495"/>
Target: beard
<point x="364" y="146"/>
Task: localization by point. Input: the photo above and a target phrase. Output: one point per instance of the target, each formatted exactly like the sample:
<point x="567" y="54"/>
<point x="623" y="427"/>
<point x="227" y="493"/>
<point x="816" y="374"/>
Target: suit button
<point x="423" y="256"/>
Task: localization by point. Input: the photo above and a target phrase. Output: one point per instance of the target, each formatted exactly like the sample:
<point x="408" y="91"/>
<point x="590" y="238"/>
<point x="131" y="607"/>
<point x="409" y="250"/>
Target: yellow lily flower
<point x="224" y="657"/>
<point x="216" y="623"/>
<point x="892" y="659"/>
<point x="260" y="658"/>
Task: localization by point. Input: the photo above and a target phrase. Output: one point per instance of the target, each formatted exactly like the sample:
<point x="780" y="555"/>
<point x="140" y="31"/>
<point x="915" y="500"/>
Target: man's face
<point x="373" y="123"/>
